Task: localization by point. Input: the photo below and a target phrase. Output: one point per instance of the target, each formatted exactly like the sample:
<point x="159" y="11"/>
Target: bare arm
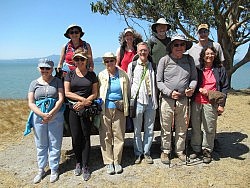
<point x="90" y="58"/>
<point x="62" y="57"/>
<point x="118" y="63"/>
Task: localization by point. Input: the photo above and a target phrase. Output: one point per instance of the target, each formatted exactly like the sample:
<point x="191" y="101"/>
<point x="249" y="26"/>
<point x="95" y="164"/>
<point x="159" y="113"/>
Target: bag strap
<point x="142" y="78"/>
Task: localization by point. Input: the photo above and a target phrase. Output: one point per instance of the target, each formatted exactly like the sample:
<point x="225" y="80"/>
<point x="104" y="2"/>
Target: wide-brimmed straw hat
<point x="66" y="34"/>
<point x="179" y="37"/>
<point x="161" y="21"/>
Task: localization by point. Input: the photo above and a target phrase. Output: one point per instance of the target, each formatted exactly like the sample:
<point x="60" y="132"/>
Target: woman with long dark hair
<point x="212" y="76"/>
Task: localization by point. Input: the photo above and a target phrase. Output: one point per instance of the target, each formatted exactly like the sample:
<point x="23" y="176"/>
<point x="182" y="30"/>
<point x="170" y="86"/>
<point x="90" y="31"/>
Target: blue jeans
<point x="148" y="113"/>
<point x="48" y="139"/>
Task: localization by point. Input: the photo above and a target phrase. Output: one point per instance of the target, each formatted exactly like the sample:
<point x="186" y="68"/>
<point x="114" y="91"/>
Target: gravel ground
<point x="229" y="168"/>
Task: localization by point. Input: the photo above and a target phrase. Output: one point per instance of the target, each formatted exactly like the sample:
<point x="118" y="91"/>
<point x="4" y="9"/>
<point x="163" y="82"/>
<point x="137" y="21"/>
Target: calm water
<point x="16" y="76"/>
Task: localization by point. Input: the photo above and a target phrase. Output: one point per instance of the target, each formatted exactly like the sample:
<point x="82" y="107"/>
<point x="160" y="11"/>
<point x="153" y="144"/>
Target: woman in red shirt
<point x="125" y="53"/>
<point x="204" y="114"/>
<point x="74" y="33"/>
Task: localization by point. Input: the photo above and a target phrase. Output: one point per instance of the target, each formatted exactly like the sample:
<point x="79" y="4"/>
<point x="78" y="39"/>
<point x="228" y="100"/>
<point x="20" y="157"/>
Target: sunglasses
<point x="109" y="61"/>
<point x="177" y="45"/>
<point x="203" y="32"/>
<point x="79" y="59"/>
<point x="45" y="68"/>
<point x="74" y="32"/>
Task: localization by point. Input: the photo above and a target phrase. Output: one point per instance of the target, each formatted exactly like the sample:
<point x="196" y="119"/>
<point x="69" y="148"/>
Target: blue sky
<point x="32" y="28"/>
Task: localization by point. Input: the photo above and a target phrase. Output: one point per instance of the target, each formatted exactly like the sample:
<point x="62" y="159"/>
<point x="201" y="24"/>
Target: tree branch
<point x="245" y="60"/>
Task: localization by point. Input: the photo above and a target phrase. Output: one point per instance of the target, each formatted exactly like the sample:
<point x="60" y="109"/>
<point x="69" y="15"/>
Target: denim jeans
<point x="144" y="114"/>
<point x="48" y="139"/>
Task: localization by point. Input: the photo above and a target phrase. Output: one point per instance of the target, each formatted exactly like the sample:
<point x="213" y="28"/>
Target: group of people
<point x="163" y="73"/>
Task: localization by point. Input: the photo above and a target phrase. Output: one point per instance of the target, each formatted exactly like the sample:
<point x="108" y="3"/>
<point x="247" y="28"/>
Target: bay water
<point x="16" y="75"/>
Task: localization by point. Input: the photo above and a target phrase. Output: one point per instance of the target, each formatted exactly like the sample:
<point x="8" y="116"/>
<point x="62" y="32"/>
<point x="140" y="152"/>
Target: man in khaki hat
<point x="159" y="40"/>
<point x="203" y="33"/>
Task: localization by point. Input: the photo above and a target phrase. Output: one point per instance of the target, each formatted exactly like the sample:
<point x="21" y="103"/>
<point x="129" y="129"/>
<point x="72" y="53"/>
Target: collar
<point x="141" y="63"/>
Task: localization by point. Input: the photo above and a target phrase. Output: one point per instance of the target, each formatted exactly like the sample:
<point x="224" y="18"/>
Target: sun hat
<point x="46" y="63"/>
<point x="203" y="26"/>
<point x="66" y="34"/>
<point x="128" y="30"/>
<point x="79" y="54"/>
<point x="108" y="55"/>
<point x="161" y="21"/>
<point x="179" y="37"/>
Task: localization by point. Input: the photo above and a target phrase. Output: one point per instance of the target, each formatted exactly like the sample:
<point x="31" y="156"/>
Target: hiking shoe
<point x="207" y="158"/>
<point x="118" y="169"/>
<point x="165" y="158"/>
<point x="78" y="169"/>
<point x="138" y="159"/>
<point x="54" y="177"/>
<point x="86" y="173"/>
<point x="39" y="176"/>
<point x="148" y="159"/>
<point x="182" y="157"/>
<point x="110" y="169"/>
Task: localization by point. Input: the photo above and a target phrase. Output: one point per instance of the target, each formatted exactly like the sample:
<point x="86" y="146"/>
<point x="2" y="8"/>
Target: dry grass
<point x="13" y="117"/>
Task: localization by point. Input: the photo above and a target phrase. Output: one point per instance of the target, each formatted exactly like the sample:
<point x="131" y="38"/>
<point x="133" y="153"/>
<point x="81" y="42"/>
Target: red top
<point x="209" y="83"/>
<point x="69" y="52"/>
<point x="127" y="58"/>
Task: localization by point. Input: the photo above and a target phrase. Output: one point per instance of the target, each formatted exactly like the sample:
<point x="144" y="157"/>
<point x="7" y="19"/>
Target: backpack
<point x="134" y="63"/>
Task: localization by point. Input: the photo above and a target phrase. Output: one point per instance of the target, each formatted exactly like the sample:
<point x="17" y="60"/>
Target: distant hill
<point x="55" y="58"/>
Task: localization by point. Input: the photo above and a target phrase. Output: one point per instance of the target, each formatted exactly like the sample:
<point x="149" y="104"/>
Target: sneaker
<point x="165" y="158"/>
<point x="39" y="176"/>
<point x="54" y="177"/>
<point x="138" y="159"/>
<point x="110" y="169"/>
<point x="207" y="158"/>
<point x="78" y="169"/>
<point x="182" y="157"/>
<point x="194" y="154"/>
<point x="148" y="159"/>
<point x="86" y="173"/>
<point x="118" y="169"/>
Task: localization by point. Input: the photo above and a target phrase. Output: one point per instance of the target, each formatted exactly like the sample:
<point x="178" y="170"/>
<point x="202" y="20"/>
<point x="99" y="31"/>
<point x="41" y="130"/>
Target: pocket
<point x="132" y="108"/>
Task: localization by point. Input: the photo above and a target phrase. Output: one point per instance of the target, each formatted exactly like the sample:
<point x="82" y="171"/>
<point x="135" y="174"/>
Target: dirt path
<point x="229" y="168"/>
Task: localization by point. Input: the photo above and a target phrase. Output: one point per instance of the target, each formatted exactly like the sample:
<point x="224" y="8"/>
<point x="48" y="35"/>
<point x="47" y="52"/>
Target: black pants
<point x="80" y="131"/>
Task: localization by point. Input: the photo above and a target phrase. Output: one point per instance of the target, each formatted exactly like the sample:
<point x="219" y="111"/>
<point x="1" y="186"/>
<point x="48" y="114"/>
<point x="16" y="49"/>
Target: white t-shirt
<point x="195" y="51"/>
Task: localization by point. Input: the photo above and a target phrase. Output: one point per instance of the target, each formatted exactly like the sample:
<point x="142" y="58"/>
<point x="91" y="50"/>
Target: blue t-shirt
<point x="114" y="91"/>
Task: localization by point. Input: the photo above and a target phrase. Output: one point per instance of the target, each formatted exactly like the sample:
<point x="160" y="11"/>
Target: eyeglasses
<point x="211" y="54"/>
<point x="79" y="59"/>
<point x="45" y="68"/>
<point x="179" y="44"/>
<point x="74" y="32"/>
<point x="203" y="32"/>
<point x="109" y="61"/>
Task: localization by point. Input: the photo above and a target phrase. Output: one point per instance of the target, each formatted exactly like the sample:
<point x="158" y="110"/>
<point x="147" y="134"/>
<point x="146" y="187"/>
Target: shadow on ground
<point x="229" y="145"/>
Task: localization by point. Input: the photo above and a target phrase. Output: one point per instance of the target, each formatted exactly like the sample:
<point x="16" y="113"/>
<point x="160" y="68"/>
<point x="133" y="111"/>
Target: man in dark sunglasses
<point x="204" y="41"/>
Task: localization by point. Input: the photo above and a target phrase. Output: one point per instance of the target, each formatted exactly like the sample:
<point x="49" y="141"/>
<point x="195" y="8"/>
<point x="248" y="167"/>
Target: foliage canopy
<point x="230" y="18"/>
